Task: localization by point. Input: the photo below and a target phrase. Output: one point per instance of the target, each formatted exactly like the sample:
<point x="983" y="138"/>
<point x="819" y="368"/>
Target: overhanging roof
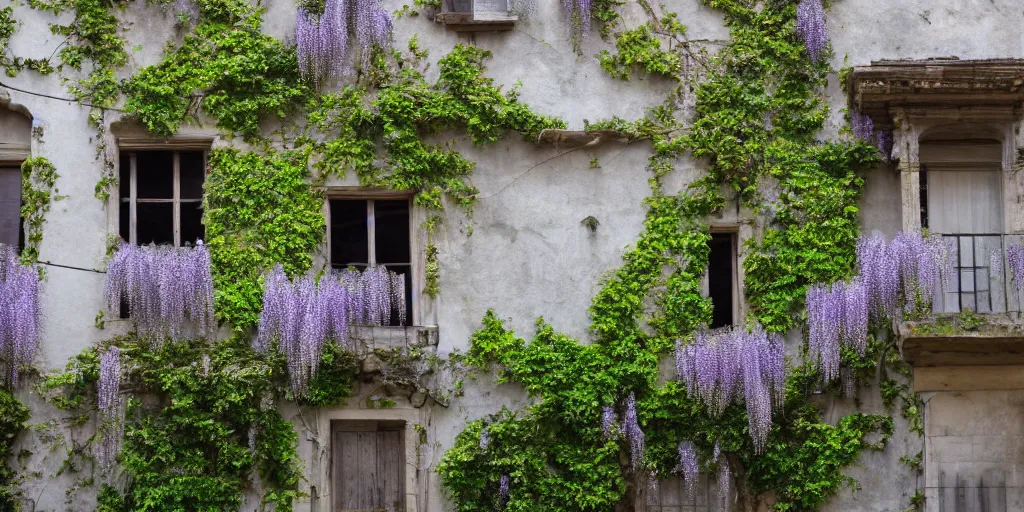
<point x="935" y="83"/>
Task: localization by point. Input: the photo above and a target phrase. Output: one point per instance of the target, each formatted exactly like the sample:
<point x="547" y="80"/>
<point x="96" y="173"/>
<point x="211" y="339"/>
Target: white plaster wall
<point x="528" y="255"/>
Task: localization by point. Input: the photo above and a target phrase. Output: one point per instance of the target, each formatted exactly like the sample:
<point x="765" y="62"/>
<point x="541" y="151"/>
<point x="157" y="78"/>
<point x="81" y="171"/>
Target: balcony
<point x="977" y="317"/>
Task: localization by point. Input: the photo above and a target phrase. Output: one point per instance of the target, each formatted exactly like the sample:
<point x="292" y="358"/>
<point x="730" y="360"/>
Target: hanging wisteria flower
<point x="733" y="367"/>
<point x="322" y="41"/>
<point x="609" y="423"/>
<point x="863" y="126"/>
<point x="688" y="467"/>
<point x="164" y="287"/>
<point x="504" y="483"/>
<point x="811" y="27"/>
<point x="19" y="314"/>
<point x="633" y="432"/>
<point x="301" y="316"/>
<point x="1015" y="260"/>
<point x="109" y="404"/>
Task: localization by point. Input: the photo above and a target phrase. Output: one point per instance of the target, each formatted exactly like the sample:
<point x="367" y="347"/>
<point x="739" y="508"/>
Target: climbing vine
<point x="38" y="186"/>
<point x="13" y="418"/>
<point x="201" y="418"/>
<point x="759" y="106"/>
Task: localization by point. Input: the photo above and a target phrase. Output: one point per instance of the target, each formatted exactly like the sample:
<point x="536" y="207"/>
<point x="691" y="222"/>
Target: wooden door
<point x="368" y="466"/>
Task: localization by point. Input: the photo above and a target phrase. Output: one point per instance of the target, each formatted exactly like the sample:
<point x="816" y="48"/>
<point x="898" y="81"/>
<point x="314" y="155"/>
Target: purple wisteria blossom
<point x="1015" y="260"/>
<point x="811" y="27"/>
<point x="863" y="126"/>
<point x="688" y="467"/>
<point x="610" y="423"/>
<point x="504" y="483"/>
<point x="909" y="270"/>
<point x="732" y="367"/>
<point x="301" y="315"/>
<point x="169" y="290"/>
<point x="634" y="434"/>
<point x="19" y="314"/>
<point x="111" y="424"/>
<point x="323" y="41"/>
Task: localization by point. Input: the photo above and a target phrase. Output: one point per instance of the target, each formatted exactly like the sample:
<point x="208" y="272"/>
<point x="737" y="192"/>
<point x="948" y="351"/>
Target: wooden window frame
<point x="176" y="200"/>
<point x="422" y="305"/>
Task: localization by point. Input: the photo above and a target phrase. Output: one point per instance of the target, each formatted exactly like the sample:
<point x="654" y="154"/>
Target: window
<point x="368" y="461"/>
<point x="161" y="197"/>
<point x="10" y="207"/>
<point x="476" y="15"/>
<point x="722" y="279"/>
<point x="367" y="232"/>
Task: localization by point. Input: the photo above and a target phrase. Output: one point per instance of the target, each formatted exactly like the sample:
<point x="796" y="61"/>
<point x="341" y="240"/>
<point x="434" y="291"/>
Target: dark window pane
<point x="154" y="174"/>
<point x="10" y="205"/>
<point x="406" y="272"/>
<point x="392" y="234"/>
<point x="125" y="221"/>
<point x="154" y="223"/>
<point x="720" y="279"/>
<point x="192" y="175"/>
<point x="124" y="181"/>
<point x="191" y="223"/>
<point x="349" y="239"/>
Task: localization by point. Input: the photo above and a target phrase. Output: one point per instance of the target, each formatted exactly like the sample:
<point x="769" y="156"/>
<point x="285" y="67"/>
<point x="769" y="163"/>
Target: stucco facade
<point x="525" y="252"/>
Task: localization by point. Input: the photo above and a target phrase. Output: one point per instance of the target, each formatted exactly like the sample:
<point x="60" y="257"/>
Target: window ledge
<point x="579" y="138"/>
<point x="941" y="341"/>
<point x="367" y="339"/>
<point x="467" y="22"/>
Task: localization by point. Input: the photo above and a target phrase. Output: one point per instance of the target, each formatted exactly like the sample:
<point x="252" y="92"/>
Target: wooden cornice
<point x="936" y="83"/>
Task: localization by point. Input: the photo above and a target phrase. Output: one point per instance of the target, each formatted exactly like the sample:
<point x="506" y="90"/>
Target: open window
<point x="367" y="232"/>
<point x="722" y="286"/>
<point x="368" y="466"/>
<point x="161" y="197"/>
<point x="476" y="15"/>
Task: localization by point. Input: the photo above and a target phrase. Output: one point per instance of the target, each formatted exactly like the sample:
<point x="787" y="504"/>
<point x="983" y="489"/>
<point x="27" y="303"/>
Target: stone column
<point x="906" y="146"/>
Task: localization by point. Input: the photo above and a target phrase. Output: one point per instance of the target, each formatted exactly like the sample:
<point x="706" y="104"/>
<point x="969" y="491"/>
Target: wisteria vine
<point x="169" y="290"/>
<point x="301" y="316"/>
<point x="893" y="277"/>
<point x="735" y="366"/>
<point x="111" y="424"/>
<point x="19" y="314"/>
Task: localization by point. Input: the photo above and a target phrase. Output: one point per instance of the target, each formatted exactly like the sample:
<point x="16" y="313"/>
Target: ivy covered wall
<point x="525" y="250"/>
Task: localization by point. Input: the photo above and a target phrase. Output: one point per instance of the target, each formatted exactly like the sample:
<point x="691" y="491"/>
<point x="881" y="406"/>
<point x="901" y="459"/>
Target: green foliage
<point x="405" y="112"/>
<point x="95" y="41"/>
<point x="757" y="113"/>
<point x="13" y="64"/>
<point x="241" y="75"/>
<point x="13" y="417"/>
<point x="187" y="445"/>
<point x="641" y="48"/>
<point x="259" y="210"/>
<point x="332" y="384"/>
<point x="38" y="186"/>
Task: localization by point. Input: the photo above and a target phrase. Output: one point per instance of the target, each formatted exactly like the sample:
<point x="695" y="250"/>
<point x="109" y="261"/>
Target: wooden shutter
<point x="10" y="205"/>
<point x="368" y="463"/>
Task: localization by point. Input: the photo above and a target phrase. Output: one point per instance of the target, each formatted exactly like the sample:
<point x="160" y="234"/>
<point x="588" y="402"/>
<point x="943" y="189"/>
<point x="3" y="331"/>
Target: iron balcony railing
<point x="981" y="280"/>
